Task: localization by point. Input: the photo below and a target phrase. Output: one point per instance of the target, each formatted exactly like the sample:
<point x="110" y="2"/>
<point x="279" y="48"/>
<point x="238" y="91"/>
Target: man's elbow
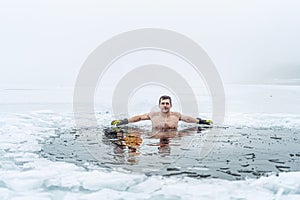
<point x="136" y="119"/>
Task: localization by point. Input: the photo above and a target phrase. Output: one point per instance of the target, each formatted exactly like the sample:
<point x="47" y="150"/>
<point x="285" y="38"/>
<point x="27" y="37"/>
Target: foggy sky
<point x="46" y="42"/>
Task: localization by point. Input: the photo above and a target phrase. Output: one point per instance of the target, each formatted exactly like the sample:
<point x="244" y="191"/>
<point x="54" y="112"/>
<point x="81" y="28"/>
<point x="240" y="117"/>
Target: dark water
<point x="237" y="152"/>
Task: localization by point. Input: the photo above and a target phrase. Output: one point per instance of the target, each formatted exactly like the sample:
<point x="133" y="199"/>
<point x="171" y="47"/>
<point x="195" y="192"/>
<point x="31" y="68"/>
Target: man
<point x="165" y="119"/>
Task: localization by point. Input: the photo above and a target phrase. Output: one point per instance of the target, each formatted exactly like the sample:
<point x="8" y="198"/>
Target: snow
<point x="24" y="174"/>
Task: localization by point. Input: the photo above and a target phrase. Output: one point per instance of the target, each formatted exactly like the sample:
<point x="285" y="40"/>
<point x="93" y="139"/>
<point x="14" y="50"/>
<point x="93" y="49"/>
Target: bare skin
<point x="165" y="119"/>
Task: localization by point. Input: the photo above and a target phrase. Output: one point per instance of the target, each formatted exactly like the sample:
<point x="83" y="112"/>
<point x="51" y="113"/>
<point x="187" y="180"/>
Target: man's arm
<point x="188" y="119"/>
<point x="195" y="120"/>
<point x="131" y="119"/>
<point x="139" y="118"/>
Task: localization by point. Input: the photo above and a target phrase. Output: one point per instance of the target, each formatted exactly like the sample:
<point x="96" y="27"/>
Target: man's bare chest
<point x="166" y="122"/>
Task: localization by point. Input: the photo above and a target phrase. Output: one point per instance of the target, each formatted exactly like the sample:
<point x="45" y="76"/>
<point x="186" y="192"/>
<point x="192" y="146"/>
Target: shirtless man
<point x="165" y="119"/>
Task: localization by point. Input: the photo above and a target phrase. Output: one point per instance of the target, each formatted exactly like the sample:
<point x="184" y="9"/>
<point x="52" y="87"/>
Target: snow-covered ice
<point x="25" y="174"/>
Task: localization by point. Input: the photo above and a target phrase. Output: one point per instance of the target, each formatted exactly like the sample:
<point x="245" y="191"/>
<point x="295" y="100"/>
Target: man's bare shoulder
<point x="177" y="114"/>
<point x="146" y="116"/>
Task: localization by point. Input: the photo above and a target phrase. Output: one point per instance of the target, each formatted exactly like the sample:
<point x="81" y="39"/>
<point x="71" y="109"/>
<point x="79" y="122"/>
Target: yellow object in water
<point x="133" y="140"/>
<point x="114" y="122"/>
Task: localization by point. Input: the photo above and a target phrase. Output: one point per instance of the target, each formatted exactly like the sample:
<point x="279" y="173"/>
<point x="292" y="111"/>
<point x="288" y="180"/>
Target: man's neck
<point x="165" y="114"/>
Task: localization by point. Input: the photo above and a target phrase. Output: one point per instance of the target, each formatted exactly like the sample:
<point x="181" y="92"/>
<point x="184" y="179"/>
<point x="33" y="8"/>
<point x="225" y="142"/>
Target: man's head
<point x="165" y="103"/>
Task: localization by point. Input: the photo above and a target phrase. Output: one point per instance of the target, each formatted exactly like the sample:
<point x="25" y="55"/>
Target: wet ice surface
<point x="237" y="152"/>
<point x="32" y="167"/>
<point x="43" y="157"/>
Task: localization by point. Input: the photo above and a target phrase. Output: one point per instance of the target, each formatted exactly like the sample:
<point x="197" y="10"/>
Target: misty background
<point x="44" y="43"/>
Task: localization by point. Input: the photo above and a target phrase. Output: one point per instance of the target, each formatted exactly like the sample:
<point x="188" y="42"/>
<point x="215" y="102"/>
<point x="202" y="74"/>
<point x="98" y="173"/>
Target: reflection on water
<point x="238" y="153"/>
<point x="127" y="141"/>
<point x="164" y="145"/>
<point x="125" y="144"/>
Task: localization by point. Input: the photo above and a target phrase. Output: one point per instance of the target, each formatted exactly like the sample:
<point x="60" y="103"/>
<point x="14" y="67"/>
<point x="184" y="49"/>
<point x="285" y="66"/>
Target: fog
<point x="44" y="43"/>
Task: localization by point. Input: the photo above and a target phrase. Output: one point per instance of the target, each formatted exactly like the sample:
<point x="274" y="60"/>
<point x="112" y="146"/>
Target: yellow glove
<point x="208" y="121"/>
<point x="205" y="121"/>
<point x="116" y="121"/>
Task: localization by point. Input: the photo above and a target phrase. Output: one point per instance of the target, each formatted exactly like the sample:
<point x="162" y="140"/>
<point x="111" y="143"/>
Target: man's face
<point x="165" y="105"/>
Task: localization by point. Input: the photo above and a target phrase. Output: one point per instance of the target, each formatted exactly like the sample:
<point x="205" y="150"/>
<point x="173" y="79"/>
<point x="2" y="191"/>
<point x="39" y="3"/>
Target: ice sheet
<point x="24" y="174"/>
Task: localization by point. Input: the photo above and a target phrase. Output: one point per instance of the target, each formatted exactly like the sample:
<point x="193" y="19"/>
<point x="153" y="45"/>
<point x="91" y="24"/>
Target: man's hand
<point x="118" y="122"/>
<point x="205" y="121"/>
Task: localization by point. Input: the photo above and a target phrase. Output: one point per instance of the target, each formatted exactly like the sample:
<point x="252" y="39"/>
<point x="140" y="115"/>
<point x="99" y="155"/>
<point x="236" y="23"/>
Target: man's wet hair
<point x="164" y="97"/>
